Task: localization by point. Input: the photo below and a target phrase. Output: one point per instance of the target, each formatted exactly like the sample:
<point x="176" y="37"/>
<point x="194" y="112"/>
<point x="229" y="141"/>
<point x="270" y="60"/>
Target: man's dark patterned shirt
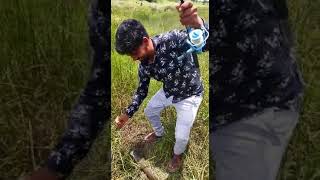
<point x="181" y="79"/>
<point x="252" y="60"/>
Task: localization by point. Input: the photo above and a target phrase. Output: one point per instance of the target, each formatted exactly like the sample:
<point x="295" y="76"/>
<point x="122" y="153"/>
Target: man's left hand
<point x="189" y="15"/>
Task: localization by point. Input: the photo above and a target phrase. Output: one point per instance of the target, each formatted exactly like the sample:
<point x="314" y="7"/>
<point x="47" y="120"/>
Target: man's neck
<point x="151" y="59"/>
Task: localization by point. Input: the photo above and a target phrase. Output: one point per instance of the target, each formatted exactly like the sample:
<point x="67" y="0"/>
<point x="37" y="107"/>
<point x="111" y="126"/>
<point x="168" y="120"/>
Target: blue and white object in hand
<point x="197" y="40"/>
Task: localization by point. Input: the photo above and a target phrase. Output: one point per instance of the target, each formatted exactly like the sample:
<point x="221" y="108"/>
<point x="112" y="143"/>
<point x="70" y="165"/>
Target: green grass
<point x="302" y="160"/>
<point x="124" y="84"/>
<point x="44" y="65"/>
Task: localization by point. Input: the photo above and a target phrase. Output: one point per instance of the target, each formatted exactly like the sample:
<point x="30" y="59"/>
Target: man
<point x="182" y="85"/>
<point x="256" y="88"/>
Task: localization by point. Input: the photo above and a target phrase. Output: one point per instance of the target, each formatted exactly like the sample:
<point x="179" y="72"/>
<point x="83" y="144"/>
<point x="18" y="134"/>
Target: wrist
<point x="126" y="116"/>
<point x="124" y="112"/>
<point x="200" y="22"/>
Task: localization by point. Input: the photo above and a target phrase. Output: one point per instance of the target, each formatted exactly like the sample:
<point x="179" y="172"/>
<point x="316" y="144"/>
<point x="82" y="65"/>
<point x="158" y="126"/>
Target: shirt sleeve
<point x="141" y="92"/>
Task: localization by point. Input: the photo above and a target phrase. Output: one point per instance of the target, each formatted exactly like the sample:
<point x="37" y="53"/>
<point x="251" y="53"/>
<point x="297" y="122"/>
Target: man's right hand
<point x="121" y="120"/>
<point x="189" y="15"/>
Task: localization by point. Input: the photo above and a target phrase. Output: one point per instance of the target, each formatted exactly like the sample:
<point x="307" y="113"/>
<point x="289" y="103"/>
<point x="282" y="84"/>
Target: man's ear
<point x="145" y="40"/>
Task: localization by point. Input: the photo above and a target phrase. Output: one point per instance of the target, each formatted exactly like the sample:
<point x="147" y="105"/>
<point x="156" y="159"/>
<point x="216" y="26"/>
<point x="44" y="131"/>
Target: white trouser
<point x="186" y="114"/>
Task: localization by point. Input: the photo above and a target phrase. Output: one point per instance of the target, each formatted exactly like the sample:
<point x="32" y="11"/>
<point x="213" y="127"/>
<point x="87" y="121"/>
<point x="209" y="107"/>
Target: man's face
<point x="142" y="51"/>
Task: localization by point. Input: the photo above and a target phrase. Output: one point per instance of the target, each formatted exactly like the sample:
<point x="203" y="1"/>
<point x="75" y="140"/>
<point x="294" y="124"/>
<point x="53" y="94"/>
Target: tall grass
<point x="44" y="65"/>
<point x="302" y="160"/>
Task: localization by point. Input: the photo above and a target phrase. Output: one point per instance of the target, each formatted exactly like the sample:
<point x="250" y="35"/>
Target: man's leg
<point x="252" y="148"/>
<point x="157" y="103"/>
<point x="186" y="114"/>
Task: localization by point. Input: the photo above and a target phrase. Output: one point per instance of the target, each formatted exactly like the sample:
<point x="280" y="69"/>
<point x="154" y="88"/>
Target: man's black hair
<point x="129" y="36"/>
